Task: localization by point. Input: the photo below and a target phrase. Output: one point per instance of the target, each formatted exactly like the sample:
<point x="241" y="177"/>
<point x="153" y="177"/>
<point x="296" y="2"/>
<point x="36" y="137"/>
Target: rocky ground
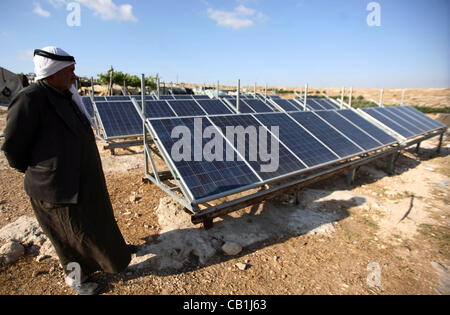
<point x="383" y="235"/>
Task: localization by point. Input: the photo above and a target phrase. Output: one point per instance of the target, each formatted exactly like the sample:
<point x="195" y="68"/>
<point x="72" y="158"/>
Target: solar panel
<point x="326" y="104"/>
<point x="157" y="109"/>
<point x="186" y="108"/>
<point x="166" y="97"/>
<point x="87" y="102"/>
<point x="201" y="97"/>
<point x="285" y="105"/>
<point x="245" y="131"/>
<point x="412" y="123"/>
<point x="183" y="97"/>
<point x="325" y="133"/>
<point x="258" y="106"/>
<point x="119" y="119"/>
<point x="367" y="126"/>
<point x="422" y="117"/>
<point x="351" y="131"/>
<point x="214" y="107"/>
<point x="307" y="148"/>
<point x="311" y="104"/>
<point x="243" y="107"/>
<point x="201" y="178"/>
<point x="99" y="99"/>
<point x="117" y="98"/>
<point x="389" y="122"/>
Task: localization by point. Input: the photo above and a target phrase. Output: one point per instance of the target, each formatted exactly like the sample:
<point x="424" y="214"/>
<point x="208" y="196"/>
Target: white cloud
<point x="39" y="11"/>
<point x="108" y="10"/>
<point x="240" y="17"/>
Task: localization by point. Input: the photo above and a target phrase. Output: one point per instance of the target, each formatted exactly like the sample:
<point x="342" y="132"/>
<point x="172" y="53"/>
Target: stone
<point x="241" y="266"/>
<point x="11" y="252"/>
<point x="231" y="248"/>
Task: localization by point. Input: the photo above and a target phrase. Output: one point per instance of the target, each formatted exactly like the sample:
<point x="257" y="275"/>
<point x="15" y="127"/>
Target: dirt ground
<point x="396" y="242"/>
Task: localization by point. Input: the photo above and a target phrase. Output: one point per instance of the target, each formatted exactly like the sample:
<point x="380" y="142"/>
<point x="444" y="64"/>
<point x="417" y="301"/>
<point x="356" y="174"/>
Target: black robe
<point x="77" y="218"/>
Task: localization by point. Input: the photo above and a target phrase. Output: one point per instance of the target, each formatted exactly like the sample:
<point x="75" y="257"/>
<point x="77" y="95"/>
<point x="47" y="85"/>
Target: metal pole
<point x="217" y="89"/>
<point x="144" y="132"/>
<point x="381" y="98"/>
<point x="342" y="97"/>
<point x="92" y="87"/>
<point x="350" y="97"/>
<point x="238" y="95"/>
<point x="255" y="90"/>
<point x="403" y="97"/>
<point x="158" y="86"/>
<point x="306" y="97"/>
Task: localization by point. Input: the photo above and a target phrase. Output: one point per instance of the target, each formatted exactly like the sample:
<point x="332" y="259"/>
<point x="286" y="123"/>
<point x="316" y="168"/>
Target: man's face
<point x="62" y="80"/>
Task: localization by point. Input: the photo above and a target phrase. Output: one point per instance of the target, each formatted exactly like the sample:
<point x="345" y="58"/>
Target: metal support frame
<point x="380" y="103"/>
<point x="350" y="97"/>
<point x="306" y="97"/>
<point x="441" y="138"/>
<point x="238" y="95"/>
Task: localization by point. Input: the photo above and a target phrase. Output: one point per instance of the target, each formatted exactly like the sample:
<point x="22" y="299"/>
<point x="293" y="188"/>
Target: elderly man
<point x="49" y="138"/>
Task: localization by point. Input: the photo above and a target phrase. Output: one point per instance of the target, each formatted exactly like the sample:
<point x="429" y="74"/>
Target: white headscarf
<point x="45" y="67"/>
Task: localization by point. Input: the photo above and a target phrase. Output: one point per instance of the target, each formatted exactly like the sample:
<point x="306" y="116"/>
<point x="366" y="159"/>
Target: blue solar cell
<point x="313" y="105"/>
<point x="396" y="111"/>
<point x="202" y="178"/>
<point x="326" y="103"/>
<point x="422" y="117"/>
<point x="325" y="133"/>
<point x="258" y="106"/>
<point x="201" y="97"/>
<point x="285" y="105"/>
<point x="350" y="130"/>
<point x="298" y="140"/>
<point x="388" y="122"/>
<point x="246" y="133"/>
<point x="214" y="107"/>
<point x="183" y="97"/>
<point x="157" y="109"/>
<point x="405" y="123"/>
<point x="166" y="97"/>
<point x="186" y="108"/>
<point x="117" y="98"/>
<point x="367" y="126"/>
<point x="88" y="105"/>
<point x="119" y="119"/>
<point x="243" y="107"/>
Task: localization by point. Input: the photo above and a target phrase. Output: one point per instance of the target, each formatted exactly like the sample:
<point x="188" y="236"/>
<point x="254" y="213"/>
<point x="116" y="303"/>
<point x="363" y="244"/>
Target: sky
<point x="322" y="43"/>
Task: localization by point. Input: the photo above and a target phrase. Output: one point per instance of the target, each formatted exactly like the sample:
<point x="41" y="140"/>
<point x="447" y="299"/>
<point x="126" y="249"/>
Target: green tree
<point x="131" y="80"/>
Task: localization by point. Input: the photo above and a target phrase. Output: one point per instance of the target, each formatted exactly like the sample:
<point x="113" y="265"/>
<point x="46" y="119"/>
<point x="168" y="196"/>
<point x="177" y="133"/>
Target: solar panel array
<point x="118" y="118"/>
<point x="303" y="140"/>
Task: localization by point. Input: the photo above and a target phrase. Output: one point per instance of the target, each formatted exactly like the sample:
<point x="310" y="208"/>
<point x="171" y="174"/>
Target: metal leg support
<point x="351" y="176"/>
<point x="391" y="164"/>
<point x="441" y="138"/>
<point x="417" y="147"/>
